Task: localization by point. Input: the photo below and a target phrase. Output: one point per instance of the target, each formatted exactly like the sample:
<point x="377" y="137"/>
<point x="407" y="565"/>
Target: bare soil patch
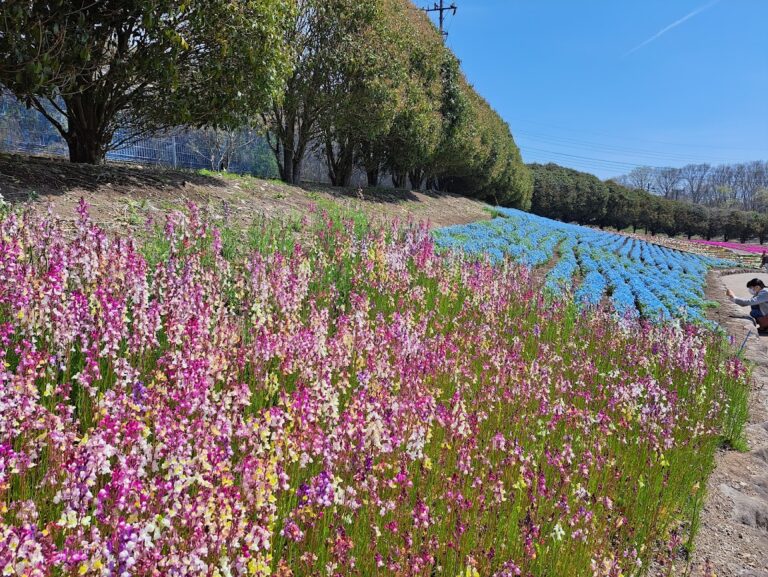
<point x="122" y="196"/>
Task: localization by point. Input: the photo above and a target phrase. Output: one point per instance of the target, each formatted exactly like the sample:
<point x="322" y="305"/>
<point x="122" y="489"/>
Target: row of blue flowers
<point x="639" y="278"/>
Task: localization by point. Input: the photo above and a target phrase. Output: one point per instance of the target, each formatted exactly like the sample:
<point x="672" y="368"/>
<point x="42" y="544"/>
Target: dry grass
<point x="122" y="196"/>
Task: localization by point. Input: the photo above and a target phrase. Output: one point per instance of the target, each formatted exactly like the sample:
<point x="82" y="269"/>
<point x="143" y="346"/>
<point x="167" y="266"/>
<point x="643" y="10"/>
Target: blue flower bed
<point x="640" y="278"/>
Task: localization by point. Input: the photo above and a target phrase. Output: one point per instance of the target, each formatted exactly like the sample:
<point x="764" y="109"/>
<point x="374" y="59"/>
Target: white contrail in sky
<point x="673" y="25"/>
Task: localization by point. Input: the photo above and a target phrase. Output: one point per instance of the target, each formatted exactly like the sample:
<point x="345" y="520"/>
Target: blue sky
<point x="606" y="85"/>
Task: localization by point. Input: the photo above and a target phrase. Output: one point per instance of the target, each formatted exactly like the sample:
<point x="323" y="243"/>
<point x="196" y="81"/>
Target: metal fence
<point x="166" y="151"/>
<point x="31" y="142"/>
<point x="169" y="151"/>
<point x="26" y="131"/>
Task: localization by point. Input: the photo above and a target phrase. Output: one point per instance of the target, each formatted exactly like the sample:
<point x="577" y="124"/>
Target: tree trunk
<point x="341" y="161"/>
<point x="288" y="141"/>
<point x="398" y="179"/>
<point x="85" y="150"/>
<point x="341" y="174"/>
<point x="88" y="134"/>
<point x="298" y="165"/>
<point x="417" y="178"/>
<point x="370" y="160"/>
<point x="373" y="176"/>
<point x="286" y="166"/>
<point x="86" y="131"/>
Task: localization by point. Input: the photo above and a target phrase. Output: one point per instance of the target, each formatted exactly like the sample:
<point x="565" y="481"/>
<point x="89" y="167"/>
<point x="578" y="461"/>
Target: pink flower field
<point x="322" y="399"/>
<point x="754" y="248"/>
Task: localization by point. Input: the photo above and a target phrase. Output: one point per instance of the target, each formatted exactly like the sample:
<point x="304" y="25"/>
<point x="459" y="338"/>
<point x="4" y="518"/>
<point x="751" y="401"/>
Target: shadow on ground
<point x="24" y="176"/>
<point x="379" y="194"/>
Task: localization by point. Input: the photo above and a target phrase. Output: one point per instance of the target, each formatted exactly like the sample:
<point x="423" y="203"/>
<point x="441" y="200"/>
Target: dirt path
<point x="733" y="537"/>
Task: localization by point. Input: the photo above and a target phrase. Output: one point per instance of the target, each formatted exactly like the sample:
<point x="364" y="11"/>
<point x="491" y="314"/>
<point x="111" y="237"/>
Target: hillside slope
<point x="123" y="195"/>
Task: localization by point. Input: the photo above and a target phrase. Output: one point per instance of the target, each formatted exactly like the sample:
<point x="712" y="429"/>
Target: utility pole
<point x="442" y="9"/>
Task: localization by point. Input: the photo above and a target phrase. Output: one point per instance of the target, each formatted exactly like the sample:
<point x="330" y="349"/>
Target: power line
<point x="643" y="155"/>
<point x="578" y="162"/>
<point x="617" y="163"/>
<point x="628" y="137"/>
<point x="583" y="165"/>
<point x="442" y="9"/>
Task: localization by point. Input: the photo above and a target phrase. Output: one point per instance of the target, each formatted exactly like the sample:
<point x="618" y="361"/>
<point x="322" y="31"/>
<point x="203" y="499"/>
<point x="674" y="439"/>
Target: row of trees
<point x="743" y="186"/>
<point x="368" y="84"/>
<point x="572" y="196"/>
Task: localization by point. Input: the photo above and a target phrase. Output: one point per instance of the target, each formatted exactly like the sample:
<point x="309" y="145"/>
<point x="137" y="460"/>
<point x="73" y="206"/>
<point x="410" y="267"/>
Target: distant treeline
<point x="368" y="84"/>
<point x="743" y="185"/>
<point x="572" y="196"/>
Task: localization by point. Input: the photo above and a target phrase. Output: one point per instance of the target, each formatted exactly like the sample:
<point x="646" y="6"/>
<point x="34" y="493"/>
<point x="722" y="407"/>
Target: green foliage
<point x="370" y="83"/>
<point x="569" y="195"/>
<point x="737" y="225"/>
<point x="657" y="215"/>
<point x="478" y="156"/>
<point x="690" y="219"/>
<point x="572" y="196"/>
<point x="622" y="207"/>
<point x="368" y="93"/>
<point x="323" y="34"/>
<point x="93" y="68"/>
<point x="375" y="86"/>
<point x="415" y="133"/>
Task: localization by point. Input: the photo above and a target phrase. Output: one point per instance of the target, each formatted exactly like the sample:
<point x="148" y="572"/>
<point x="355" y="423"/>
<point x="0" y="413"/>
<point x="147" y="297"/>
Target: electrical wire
<point x="650" y="155"/>
<point x="636" y="139"/>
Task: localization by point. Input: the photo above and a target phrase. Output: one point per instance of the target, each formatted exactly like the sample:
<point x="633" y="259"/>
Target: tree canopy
<point x="573" y="196"/>
<point x="730" y="186"/>
<point x="374" y="87"/>
<point x="369" y="85"/>
<point x="96" y="69"/>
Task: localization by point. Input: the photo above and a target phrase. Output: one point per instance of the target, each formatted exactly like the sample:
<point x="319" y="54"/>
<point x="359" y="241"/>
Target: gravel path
<point x="733" y="538"/>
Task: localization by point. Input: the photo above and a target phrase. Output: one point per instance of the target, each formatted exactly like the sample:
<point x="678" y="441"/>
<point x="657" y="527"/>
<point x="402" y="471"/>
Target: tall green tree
<point x="368" y="94"/>
<point x="322" y="33"/>
<point x="690" y="219"/>
<point x="454" y="112"/>
<point x="96" y="69"/>
<point x="416" y="130"/>
<point x="733" y="225"/>
<point x="622" y="207"/>
<point x="479" y="157"/>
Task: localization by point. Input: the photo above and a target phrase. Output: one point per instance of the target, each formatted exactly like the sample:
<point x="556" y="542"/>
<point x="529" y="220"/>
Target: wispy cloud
<point x="674" y="24"/>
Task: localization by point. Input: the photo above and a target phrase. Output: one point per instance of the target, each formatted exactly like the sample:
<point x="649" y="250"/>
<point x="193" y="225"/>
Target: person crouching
<point x="758" y="302"/>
